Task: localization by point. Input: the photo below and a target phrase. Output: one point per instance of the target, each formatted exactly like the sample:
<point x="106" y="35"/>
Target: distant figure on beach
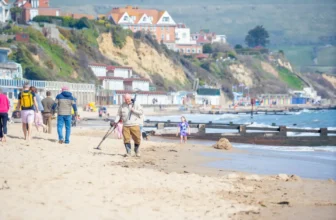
<point x="4" y="108"/>
<point x="47" y="104"/>
<point x="64" y="103"/>
<point x="28" y="104"/>
<point x="38" y="120"/>
<point x="183" y="130"/>
<point x="119" y="129"/>
<point x="130" y="115"/>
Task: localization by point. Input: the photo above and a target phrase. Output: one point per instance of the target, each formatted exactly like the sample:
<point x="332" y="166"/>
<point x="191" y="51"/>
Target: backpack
<point x="27" y="99"/>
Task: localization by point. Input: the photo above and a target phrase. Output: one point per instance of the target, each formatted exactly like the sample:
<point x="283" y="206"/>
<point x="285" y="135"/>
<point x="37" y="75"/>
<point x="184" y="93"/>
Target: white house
<point x="98" y="69"/>
<point x="10" y="70"/>
<point x="219" y="39"/>
<point x="112" y="83"/>
<point x="183" y="42"/>
<point x="5" y="14"/>
<point x="119" y="71"/>
<point x="144" y="97"/>
<point x="102" y="70"/>
<point x="207" y="96"/>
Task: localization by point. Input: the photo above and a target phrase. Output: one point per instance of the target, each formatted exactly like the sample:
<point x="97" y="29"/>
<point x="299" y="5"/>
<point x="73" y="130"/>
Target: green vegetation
<point x="119" y="36"/>
<point x="257" y="36"/>
<point x="65" y="21"/>
<point x="207" y="48"/>
<point x="291" y="80"/>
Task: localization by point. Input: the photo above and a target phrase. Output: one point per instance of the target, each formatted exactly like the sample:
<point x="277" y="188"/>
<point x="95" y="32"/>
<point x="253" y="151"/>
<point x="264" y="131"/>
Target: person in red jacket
<point x="4" y="107"/>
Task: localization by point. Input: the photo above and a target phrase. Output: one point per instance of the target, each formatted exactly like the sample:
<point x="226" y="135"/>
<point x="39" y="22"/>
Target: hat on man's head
<point x="65" y="88"/>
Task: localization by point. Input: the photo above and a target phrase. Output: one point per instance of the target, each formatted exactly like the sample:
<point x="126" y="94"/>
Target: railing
<point x="48" y="85"/>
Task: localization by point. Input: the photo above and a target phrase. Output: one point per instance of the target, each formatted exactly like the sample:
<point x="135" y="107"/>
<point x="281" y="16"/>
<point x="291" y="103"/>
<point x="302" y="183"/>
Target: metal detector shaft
<point x="105" y="136"/>
<point x="132" y="106"/>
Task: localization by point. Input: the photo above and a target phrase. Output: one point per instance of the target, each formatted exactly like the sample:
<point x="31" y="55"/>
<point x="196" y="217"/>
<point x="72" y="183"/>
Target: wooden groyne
<point x="276" y="136"/>
<point x="263" y="111"/>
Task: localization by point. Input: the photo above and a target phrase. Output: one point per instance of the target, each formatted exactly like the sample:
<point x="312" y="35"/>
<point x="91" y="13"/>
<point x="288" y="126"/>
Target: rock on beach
<point x="223" y="144"/>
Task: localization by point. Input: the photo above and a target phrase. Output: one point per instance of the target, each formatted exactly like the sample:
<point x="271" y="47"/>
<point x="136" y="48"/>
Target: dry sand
<point x="50" y="181"/>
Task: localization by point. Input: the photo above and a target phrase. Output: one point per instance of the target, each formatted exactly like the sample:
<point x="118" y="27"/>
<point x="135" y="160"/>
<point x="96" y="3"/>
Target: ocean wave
<point x="288" y="148"/>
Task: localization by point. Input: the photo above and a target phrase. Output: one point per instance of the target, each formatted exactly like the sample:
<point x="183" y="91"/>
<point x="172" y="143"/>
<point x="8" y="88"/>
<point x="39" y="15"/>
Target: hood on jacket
<point x="66" y="94"/>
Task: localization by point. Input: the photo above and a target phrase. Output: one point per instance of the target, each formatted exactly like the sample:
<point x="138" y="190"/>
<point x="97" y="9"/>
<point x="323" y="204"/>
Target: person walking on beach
<point x="130" y="115"/>
<point x="64" y="103"/>
<point x="28" y="104"/>
<point x="47" y="104"/>
<point x="183" y="130"/>
<point x="38" y="120"/>
<point x="4" y="108"/>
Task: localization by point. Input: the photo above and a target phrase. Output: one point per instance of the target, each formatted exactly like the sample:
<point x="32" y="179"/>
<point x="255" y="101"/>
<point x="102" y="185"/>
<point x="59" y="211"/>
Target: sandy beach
<point x="46" y="180"/>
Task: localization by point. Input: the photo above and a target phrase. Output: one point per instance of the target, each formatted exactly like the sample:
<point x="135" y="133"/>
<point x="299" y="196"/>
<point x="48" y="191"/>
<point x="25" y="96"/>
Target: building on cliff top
<point x="33" y="8"/>
<point x="158" y="23"/>
<point x="5" y="14"/>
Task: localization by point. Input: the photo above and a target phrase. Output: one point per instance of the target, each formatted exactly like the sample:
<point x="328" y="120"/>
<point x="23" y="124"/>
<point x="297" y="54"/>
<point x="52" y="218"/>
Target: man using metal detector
<point x="130" y="114"/>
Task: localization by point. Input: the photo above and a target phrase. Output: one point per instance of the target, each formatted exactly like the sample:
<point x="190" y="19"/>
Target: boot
<point x="128" y="149"/>
<point x="136" y="150"/>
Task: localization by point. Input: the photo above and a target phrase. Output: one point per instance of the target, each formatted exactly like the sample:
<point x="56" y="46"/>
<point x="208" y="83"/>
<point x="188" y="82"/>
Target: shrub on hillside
<point x="119" y="36"/>
<point x="65" y="21"/>
<point x="207" y="48"/>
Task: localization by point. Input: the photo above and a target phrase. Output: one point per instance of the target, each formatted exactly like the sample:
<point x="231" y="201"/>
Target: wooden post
<point x="324" y="132"/>
<point x="160" y="126"/>
<point x="283" y="130"/>
<point x="201" y="128"/>
<point x="242" y="129"/>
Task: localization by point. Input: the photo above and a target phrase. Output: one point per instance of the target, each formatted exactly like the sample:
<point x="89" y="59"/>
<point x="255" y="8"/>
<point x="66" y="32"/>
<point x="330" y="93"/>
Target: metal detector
<point x="109" y="131"/>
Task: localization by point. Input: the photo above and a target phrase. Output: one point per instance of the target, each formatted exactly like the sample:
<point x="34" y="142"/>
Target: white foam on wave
<point x="288" y="148"/>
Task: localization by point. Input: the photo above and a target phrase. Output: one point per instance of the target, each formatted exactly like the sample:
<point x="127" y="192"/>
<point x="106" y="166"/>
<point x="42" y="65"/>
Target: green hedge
<point x="64" y="21"/>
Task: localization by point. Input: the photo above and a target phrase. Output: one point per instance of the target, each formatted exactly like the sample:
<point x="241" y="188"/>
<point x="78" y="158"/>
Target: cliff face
<point x="144" y="59"/>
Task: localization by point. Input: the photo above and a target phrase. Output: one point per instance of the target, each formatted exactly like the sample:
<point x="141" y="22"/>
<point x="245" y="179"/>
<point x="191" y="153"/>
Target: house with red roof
<point x="33" y="8"/>
<point x="159" y="23"/>
<point x="4" y="11"/>
<point x="206" y="37"/>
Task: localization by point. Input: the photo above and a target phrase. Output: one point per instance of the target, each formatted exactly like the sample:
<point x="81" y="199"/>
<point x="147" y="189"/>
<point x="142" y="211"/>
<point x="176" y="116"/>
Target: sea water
<point x="309" y="162"/>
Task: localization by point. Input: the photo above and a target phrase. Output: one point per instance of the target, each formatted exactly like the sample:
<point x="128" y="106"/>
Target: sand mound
<point x="223" y="144"/>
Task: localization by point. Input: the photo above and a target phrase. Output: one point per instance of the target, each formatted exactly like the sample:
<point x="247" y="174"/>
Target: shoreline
<point x="168" y="181"/>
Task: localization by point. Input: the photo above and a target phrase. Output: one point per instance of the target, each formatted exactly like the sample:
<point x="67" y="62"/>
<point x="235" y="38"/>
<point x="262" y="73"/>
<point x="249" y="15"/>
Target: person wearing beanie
<point x="63" y="105"/>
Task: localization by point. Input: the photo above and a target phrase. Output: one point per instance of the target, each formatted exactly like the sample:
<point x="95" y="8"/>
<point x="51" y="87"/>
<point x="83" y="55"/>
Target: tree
<point x="16" y="13"/>
<point x="207" y="48"/>
<point x="257" y="36"/>
<point x="238" y="47"/>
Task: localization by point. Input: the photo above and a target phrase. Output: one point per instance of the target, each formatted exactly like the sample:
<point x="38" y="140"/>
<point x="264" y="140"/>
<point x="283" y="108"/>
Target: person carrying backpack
<point x="28" y="104"/>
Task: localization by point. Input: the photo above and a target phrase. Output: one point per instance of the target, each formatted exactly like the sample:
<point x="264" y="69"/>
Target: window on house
<point x="144" y="19"/>
<point x="162" y="36"/>
<point x="199" y="50"/>
<point x="193" y="50"/>
<point x="167" y="28"/>
<point x="167" y="37"/>
<point x="165" y="19"/>
<point x="126" y="18"/>
<point x="133" y="18"/>
<point x="162" y="28"/>
<point x="188" y="50"/>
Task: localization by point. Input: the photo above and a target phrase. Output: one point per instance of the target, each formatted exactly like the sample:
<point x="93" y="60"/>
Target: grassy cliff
<point x="67" y="59"/>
